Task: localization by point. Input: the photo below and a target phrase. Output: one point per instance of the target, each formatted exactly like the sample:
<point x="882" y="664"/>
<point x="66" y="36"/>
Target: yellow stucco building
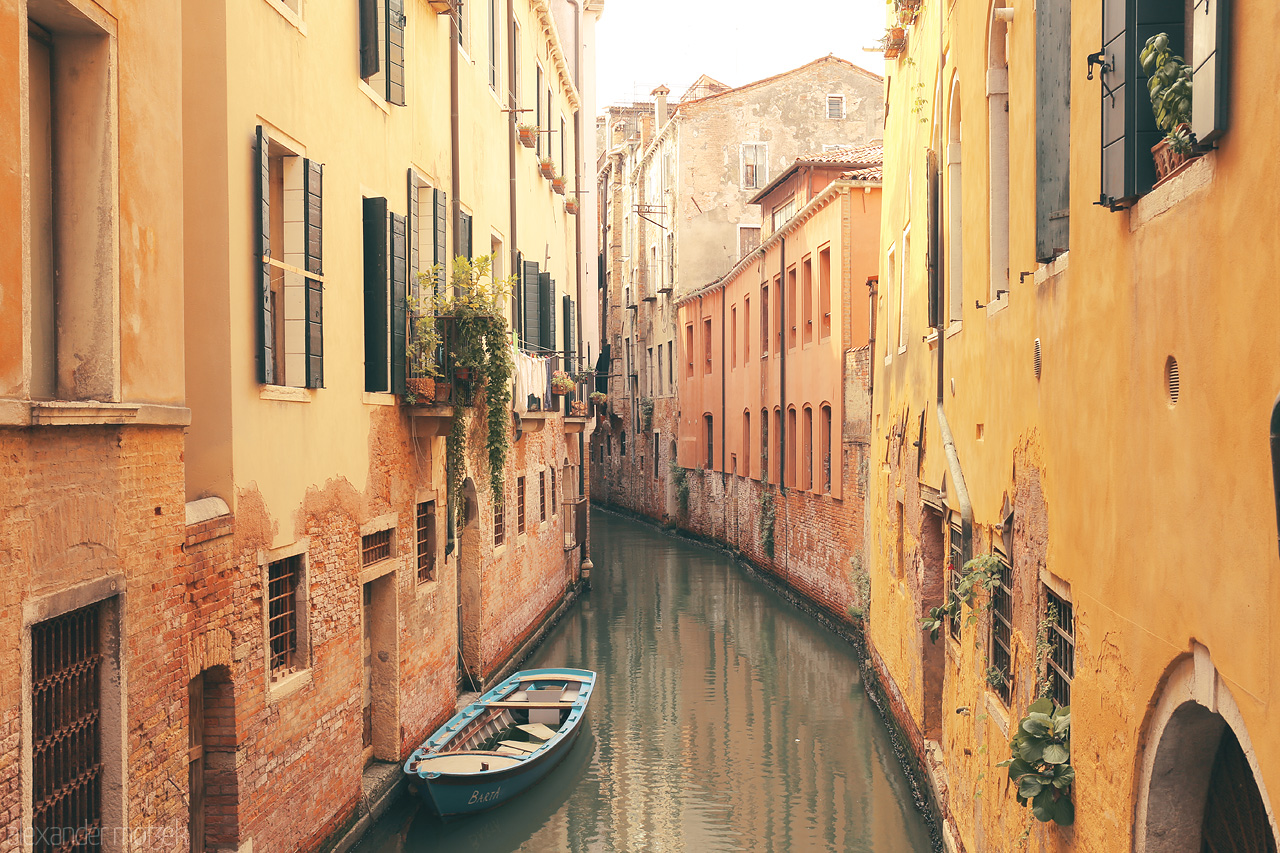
<point x="1076" y="373"/>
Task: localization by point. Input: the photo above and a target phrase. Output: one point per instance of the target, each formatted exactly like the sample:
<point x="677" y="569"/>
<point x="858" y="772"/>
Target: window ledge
<point x="932" y="338"/>
<point x="289" y="15"/>
<point x="1191" y="180"/>
<point x="997" y="713"/>
<point x="427" y="588"/>
<point x="288" y="685"/>
<point x="955" y="328"/>
<point x="90" y="412"/>
<point x="378" y="398"/>
<point x="379" y="100"/>
<point x="285" y="393"/>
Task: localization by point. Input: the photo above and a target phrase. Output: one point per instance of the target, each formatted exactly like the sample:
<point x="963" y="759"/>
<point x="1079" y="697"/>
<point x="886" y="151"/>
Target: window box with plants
<point x="558" y="183"/>
<point x="578" y="408"/>
<point x="571" y="205"/>
<point x="561" y="383"/>
<point x="907" y="10"/>
<point x="547" y="167"/>
<point x="894" y="42"/>
<point x="528" y="135"/>
<point x="598" y="399"/>
<point x="1169" y="85"/>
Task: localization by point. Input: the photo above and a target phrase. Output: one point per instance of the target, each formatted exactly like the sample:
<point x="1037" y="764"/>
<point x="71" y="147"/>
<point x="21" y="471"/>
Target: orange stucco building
<point x="773" y="378"/>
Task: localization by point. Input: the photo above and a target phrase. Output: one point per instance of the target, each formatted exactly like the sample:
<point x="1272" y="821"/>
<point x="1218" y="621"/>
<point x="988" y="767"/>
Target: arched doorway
<point x="470" y="589"/>
<point x="1199" y="788"/>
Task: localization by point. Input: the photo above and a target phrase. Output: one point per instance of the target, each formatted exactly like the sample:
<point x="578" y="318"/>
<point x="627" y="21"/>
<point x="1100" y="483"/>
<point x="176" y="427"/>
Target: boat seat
<point x="521" y="746"/>
<point x="518" y="696"/>
<point x="509" y="750"/>
<point x="455" y="763"/>
<point x="538" y="730"/>
<point x="571" y="692"/>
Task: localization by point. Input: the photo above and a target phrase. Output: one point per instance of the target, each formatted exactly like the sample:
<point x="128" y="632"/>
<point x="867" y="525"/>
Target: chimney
<point x="660" y="106"/>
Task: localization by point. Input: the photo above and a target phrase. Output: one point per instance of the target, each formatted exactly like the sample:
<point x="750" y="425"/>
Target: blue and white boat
<point x="503" y="743"/>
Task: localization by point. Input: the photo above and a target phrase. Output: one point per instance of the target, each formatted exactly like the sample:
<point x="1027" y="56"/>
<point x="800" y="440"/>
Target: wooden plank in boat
<point x="557" y="676"/>
<point x="521" y="746"/>
<point x="529" y="704"/>
<point x="538" y="730"/>
<point x="461" y="762"/>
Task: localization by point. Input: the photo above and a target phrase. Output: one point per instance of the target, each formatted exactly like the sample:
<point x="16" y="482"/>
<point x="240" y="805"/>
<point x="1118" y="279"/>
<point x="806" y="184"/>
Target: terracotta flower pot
<point x="528" y="138"/>
<point x="422" y="388"/>
<point x="1168" y="161"/>
<point x="548" y="169"/>
<point x="557" y="184"/>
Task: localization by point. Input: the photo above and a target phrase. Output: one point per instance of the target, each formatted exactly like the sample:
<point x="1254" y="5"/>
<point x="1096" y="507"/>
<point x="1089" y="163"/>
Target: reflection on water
<point x="722" y="720"/>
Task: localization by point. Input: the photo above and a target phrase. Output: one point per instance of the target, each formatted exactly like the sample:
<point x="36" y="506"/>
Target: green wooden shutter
<point x="266" y="321"/>
<point x="368" y="38"/>
<point x="313" y="186"/>
<point x="934" y="211"/>
<point x="547" y="310"/>
<point x="411" y="235"/>
<point x="1053" y="127"/>
<point x="1211" y="44"/>
<point x="399" y="310"/>
<point x="1116" y="88"/>
<point x="375" y="294"/>
<point x="532" y="306"/>
<point x="395" y="51"/>
<point x="438" y="232"/>
<point x="570" y="325"/>
<point x="464" y="234"/>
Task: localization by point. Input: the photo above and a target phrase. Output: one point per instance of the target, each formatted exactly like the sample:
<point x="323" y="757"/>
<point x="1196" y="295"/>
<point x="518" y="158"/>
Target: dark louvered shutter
<point x="438" y="232"/>
<point x="368" y="38"/>
<point x="313" y="179"/>
<point x="1211" y="41"/>
<point x="395" y="52"/>
<point x="570" y="329"/>
<point x="399" y="312"/>
<point x="266" y="321"/>
<point x="603" y="366"/>
<point x="935" y="239"/>
<point x="411" y="236"/>
<point x="1053" y="127"/>
<point x="517" y="296"/>
<point x="464" y="234"/>
<point x="375" y="294"/>
<point x="1115" y="90"/>
<point x="532" y="305"/>
<point x="547" y="311"/>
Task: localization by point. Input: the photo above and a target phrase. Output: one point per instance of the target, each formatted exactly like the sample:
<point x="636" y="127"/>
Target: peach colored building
<point x="773" y="380"/>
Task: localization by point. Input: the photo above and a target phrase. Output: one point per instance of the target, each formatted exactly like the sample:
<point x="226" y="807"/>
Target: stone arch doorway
<point x="213" y="782"/>
<point x="470" y="588"/>
<point x="1199" y="787"/>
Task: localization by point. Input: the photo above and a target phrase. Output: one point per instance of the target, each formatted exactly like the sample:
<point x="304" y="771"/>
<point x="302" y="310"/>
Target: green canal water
<point x="723" y="720"/>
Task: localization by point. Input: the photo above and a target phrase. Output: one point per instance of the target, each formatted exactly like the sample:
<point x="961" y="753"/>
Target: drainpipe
<point x="873" y="287"/>
<point x="455" y="153"/>
<point x="513" y="119"/>
<point x="782" y="365"/>
<point x="724" y="415"/>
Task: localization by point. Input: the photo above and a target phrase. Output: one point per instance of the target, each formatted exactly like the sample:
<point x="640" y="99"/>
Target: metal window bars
<point x="426" y="530"/>
<point x="282" y="614"/>
<point x="1061" y="663"/>
<point x="375" y="547"/>
<point x="1001" y="633"/>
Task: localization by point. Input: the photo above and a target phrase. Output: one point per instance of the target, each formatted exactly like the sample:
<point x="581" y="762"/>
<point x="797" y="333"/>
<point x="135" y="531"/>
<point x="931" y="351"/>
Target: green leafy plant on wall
<point x="646" y="414"/>
<point x="982" y="573"/>
<point x="680" y="479"/>
<point x="1041" y="762"/>
<point x="767" y="519"/>
<point x="1169" y="85"/>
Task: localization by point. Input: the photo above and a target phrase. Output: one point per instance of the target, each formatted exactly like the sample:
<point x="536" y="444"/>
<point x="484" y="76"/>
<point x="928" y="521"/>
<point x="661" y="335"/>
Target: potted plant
<point x="895" y="40"/>
<point x="907" y="10"/>
<point x="578" y="409"/>
<point x="528" y="134"/>
<point x="561" y="383"/>
<point x="1169" y="85"/>
<point x="599" y="398"/>
<point x="571" y="206"/>
<point x="421" y="351"/>
<point x="558" y="183"/>
<point x="547" y="167"/>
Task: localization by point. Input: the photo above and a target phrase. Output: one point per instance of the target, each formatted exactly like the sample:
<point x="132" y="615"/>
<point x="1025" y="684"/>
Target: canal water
<point x="723" y="720"/>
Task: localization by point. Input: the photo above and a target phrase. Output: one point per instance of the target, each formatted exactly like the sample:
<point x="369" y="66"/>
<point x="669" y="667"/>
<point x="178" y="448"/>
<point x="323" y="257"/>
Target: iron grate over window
<point x="499" y="523"/>
<point x="1062" y="647"/>
<point x="426" y="541"/>
<point x="955" y="574"/>
<point x="520" y="506"/>
<point x="66" y="766"/>
<point x="282" y="613"/>
<point x="375" y="546"/>
<point x="1002" y="634"/>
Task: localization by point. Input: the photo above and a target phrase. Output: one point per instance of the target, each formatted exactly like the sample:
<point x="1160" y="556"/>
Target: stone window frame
<point x="760" y="170"/>
<point x="289" y="684"/>
<point x="833" y="98"/>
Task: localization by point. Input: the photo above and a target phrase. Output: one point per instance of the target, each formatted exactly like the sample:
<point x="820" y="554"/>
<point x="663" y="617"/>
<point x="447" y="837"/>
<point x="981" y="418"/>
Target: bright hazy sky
<point x="644" y="43"/>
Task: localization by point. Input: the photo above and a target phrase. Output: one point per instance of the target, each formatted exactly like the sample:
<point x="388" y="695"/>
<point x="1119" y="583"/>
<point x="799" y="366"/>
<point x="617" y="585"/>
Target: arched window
<point x="998" y="152"/>
<point x="746" y="444"/>
<point x="1275" y="460"/>
<point x="764" y="445"/>
<point x="711" y="440"/>
<point x="805" y="474"/>
<point x="824" y="442"/>
<point x="775" y="460"/>
<point x="791" y="447"/>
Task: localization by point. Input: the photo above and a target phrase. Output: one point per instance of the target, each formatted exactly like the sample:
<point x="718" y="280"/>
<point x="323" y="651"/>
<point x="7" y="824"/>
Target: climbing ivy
<point x="767" y="513"/>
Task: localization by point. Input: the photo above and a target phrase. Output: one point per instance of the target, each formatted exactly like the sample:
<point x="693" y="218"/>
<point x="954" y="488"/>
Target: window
<point x="71" y="95"/>
<point x="806" y="299"/>
<point x="464" y="235"/>
<point x="515" y="64"/>
<point x="902" y="290"/>
<point x="746" y="444"/>
<point x="709" y="432"/>
<point x="661" y="389"/>
<point x="648" y="370"/>
<point x="1062" y="647"/>
<point x="733" y="336"/>
<point x="748" y="239"/>
<point x="655" y="454"/>
<point x="554" y="502"/>
<point x="671" y="366"/>
<point x="688" y="348"/>
<point x="746" y="329"/>
<point x="755" y="168"/>
<point x="764" y="320"/>
<point x="493" y="45"/>
<point x="782" y="213"/>
<point x="537" y="111"/>
<point x="955" y="574"/>
<point x="899" y="567"/>
<point x="792" y="316"/>
<point x="824" y="440"/>
<point x="375" y="547"/>
<point x="464" y="26"/>
<point x="542" y="497"/>
<point x="706" y="345"/>
<point x="891" y="264"/>
<point x="385" y="297"/>
<point x="1001" y="674"/>
<point x="955" y="215"/>
<point x="835" y="106"/>
<point x="520" y="506"/>
<point x="764" y="445"/>
<point x="791" y="477"/>
<point x="777" y="315"/>
<point x="426" y="541"/>
<point x="824" y="291"/>
<point x="775" y="470"/>
<point x="806" y="452"/>
<point x="382" y="47"/>
<point x="284" y="584"/>
<point x="622" y="443"/>
<point x="66" y="727"/>
<point x="562" y="158"/>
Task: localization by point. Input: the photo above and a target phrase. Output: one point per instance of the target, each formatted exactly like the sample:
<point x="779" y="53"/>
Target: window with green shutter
<point x="375" y="294"/>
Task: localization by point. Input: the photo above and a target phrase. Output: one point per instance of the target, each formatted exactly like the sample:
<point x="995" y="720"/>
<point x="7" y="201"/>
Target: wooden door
<point x="195" y="761"/>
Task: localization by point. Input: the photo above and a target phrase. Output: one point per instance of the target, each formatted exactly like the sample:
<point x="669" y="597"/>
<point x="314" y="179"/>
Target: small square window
<point x="426" y="517"/>
<point x="499" y="523"/>
<point x="520" y="506"/>
<point x="284" y="594"/>
<point x="375" y="547"/>
<point x="835" y="106"/>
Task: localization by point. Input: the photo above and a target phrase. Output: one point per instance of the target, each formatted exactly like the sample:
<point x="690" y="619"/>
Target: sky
<point x="644" y="43"/>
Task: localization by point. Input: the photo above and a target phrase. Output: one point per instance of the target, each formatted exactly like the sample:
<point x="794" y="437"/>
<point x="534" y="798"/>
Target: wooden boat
<point x="503" y="743"/>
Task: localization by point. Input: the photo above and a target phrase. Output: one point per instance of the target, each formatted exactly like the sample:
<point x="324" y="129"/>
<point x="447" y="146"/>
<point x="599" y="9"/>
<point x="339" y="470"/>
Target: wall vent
<point x="1171" y="380"/>
<point x="1037" y="358"/>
